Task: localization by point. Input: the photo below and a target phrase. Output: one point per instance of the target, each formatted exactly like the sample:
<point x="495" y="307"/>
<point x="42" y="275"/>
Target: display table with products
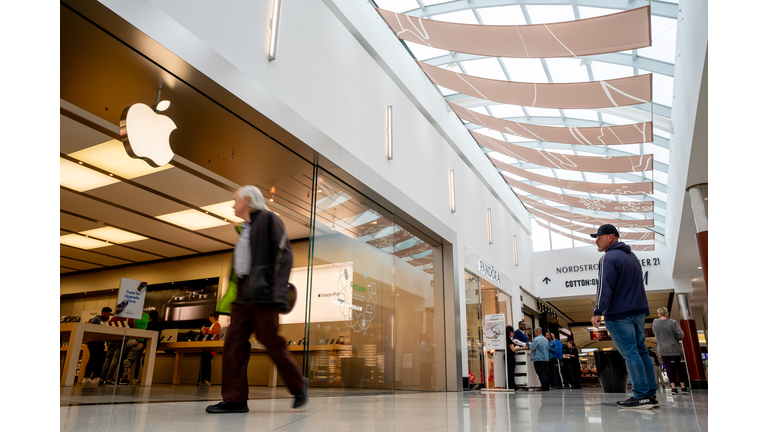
<point x="78" y="333"/>
<point x="197" y="347"/>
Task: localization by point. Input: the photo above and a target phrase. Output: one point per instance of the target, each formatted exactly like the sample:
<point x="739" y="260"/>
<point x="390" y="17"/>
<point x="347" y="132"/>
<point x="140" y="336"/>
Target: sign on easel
<point x="130" y="299"/>
<point x="495" y="339"/>
<point x="495" y="335"/>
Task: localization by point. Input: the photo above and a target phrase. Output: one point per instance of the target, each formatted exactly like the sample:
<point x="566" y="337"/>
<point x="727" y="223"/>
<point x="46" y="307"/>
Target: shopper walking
<point x="540" y="357"/>
<point x="262" y="261"/>
<point x="622" y="302"/>
<point x="668" y="335"/>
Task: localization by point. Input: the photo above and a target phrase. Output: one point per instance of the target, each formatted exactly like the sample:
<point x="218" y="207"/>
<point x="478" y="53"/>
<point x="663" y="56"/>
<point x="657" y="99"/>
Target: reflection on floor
<point x="182" y="408"/>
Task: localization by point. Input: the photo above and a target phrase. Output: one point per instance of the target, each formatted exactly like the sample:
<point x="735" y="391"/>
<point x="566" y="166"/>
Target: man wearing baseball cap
<point x="622" y="302"/>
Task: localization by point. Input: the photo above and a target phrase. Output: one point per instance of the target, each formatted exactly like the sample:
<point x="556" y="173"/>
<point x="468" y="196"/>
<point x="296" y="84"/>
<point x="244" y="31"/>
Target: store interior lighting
<point x="192" y="219"/>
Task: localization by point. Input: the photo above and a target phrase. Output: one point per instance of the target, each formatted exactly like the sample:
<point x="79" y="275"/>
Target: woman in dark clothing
<point x="511" y="348"/>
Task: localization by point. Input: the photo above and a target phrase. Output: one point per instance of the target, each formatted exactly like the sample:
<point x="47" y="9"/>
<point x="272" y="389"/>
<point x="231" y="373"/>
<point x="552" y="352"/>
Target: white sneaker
<point x="206" y="383"/>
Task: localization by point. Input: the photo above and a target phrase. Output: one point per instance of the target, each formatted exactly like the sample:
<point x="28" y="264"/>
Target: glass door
<point x="475" y="349"/>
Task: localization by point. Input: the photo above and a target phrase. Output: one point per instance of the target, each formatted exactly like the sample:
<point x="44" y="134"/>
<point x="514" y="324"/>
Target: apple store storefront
<point x="151" y="152"/>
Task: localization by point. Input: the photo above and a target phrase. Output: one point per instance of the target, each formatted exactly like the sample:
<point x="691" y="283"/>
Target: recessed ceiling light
<point x="81" y="242"/>
<point x="224" y="210"/>
<point x="111" y="156"/>
<point x="698" y="268"/>
<point x="80" y="178"/>
<point x="694" y="279"/>
<point x="114" y="235"/>
<point x="192" y="219"/>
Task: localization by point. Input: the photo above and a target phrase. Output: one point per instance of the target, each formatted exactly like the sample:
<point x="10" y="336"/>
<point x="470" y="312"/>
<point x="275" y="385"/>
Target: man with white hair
<point x="262" y="262"/>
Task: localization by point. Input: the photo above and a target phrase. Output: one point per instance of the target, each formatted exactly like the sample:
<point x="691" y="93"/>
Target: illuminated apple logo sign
<point x="145" y="134"/>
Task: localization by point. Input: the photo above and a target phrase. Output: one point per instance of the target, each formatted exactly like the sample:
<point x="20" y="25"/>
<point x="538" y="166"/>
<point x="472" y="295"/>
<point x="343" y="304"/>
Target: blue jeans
<point x="627" y="334"/>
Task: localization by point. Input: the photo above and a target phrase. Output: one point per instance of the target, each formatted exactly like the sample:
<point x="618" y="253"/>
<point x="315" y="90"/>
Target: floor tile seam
<point x="307" y="416"/>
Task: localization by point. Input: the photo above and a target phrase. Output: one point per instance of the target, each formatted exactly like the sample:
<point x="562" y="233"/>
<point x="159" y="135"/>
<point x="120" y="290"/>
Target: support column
<point x="696" y="194"/>
<point x="693" y="361"/>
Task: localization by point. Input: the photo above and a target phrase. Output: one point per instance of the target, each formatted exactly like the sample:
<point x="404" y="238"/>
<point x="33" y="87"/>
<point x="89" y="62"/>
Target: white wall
<point x="688" y="150"/>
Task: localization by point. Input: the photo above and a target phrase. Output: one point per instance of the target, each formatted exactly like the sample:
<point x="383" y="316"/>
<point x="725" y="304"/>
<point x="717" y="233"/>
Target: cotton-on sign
<point x="130" y="299"/>
<point x="489" y="272"/>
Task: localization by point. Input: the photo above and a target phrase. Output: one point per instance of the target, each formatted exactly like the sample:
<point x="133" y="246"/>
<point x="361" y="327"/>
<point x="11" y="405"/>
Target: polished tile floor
<point x="182" y="408"/>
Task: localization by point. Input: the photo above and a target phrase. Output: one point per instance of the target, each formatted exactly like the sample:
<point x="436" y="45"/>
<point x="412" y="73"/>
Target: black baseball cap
<point x="605" y="229"/>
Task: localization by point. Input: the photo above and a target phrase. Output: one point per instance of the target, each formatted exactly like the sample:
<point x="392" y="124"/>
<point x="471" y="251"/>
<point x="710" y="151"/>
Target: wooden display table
<point x="78" y="333"/>
<point x="181" y="348"/>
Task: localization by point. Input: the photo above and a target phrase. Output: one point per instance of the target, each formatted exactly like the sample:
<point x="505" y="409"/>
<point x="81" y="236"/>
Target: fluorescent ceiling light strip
<point x="192" y="219"/>
<point x="82" y="242"/>
<point x="274" y="23"/>
<point x="111" y="156"/>
<point x="113" y="235"/>
<point x="77" y="177"/>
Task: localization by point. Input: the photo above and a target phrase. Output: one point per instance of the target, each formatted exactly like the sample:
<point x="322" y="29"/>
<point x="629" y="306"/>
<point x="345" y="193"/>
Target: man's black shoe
<point x="302" y="396"/>
<point x="228" y="407"/>
<point x="654" y="401"/>
<point x="632" y="403"/>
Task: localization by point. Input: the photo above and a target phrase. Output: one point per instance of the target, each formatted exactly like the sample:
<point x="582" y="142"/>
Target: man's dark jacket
<point x="620" y="290"/>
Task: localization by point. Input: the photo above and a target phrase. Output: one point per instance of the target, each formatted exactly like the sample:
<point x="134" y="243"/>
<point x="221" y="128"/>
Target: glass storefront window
<point x="371" y="297"/>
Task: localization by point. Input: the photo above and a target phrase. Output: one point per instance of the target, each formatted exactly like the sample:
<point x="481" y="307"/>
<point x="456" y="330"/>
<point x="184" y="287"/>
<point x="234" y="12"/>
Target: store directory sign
<point x="130" y="299"/>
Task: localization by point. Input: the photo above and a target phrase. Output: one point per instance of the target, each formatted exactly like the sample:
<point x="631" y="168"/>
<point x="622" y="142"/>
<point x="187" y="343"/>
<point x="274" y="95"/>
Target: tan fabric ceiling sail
<point x="579" y="95"/>
<point x="641" y="188"/>
<point x="577" y="217"/>
<point x="585" y="202"/>
<point x="601" y="164"/>
<point x="634" y="247"/>
<point x="620" y="31"/>
<point x="603" y="135"/>
<point x="624" y="235"/>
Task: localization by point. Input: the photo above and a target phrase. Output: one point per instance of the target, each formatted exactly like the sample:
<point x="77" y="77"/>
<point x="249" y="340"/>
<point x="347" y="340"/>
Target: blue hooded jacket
<point x="620" y="289"/>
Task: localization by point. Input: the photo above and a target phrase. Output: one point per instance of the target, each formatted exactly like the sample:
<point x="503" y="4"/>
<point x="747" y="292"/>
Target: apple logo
<point x="145" y="134"/>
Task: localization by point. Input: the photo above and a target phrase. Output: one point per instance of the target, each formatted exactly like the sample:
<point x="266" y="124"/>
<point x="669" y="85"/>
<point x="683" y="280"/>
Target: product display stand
<point x="498" y="356"/>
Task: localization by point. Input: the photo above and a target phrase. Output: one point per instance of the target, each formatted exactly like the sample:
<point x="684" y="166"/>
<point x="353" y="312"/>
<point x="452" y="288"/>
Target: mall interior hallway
<point x="182" y="408"/>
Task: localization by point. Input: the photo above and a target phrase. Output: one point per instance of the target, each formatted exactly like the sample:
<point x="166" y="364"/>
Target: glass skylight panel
<point x="460" y="17"/>
<point x="661" y="196"/>
<point x="432" y="2"/>
<point x="604" y="196"/>
<point x="541" y="171"/>
<point x="525" y="70"/>
<point x="550" y="14"/>
<point x="567" y="70"/>
<point x="514" y="176"/>
<point x="568" y="175"/>
<point x="504" y="158"/>
<point x="543" y="112"/>
<point x="662" y="89"/>
<point x="659" y="154"/>
<point x="504" y="15"/>
<point x="549" y="188"/>
<point x="607" y="71"/>
<point x="629" y="148"/>
<point x="582" y="114"/>
<point x="398" y="5"/>
<point x="561" y="242"/>
<point x="423" y="52"/>
<point x="660" y="177"/>
<point x="491" y="133"/>
<point x="518" y="139"/>
<point x="590" y="12"/>
<point x="662" y="133"/>
<point x="613" y="120"/>
<point x="540" y="237"/>
<point x="445" y="91"/>
<point x="484" y="68"/>
<point x="507" y="111"/>
<point x="663" y="37"/>
<point x="597" y="178"/>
